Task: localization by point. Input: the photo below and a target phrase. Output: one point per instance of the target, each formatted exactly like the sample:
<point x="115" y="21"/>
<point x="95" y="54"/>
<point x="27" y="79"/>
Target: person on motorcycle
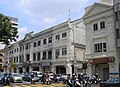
<point x="80" y="78"/>
<point x="32" y="81"/>
<point x="72" y="81"/>
<point x="6" y="79"/>
<point x="43" y="78"/>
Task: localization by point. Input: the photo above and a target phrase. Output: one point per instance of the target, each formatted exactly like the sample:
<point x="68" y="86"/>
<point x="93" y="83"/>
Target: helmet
<point x="81" y="74"/>
<point x="73" y="74"/>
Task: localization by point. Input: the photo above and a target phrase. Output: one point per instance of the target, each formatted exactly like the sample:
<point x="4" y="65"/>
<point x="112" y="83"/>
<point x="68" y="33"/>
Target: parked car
<point x="38" y="73"/>
<point x="112" y="82"/>
<point x="22" y="74"/>
<point x="15" y="77"/>
<point x="28" y="78"/>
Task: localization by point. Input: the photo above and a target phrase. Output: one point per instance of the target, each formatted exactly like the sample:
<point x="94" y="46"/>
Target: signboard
<point x="46" y="63"/>
<point x="102" y="60"/>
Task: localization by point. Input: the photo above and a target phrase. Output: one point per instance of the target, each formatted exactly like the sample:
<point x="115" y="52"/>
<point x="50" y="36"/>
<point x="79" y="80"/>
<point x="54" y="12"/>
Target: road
<point x="37" y="84"/>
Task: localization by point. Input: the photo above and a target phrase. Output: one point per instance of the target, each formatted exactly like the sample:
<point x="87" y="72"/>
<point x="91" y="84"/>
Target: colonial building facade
<point x="102" y="47"/>
<point x="55" y="49"/>
<point x="2" y="60"/>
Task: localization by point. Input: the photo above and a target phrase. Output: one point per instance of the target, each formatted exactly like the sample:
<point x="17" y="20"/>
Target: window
<point x="57" y="37"/>
<point x="50" y="40"/>
<point x="34" y="44"/>
<point x="44" y="55"/>
<point x="20" y="58"/>
<point x="50" y="54"/>
<point x="27" y="47"/>
<point x="0" y="60"/>
<point x="64" y="35"/>
<point x="100" y="47"/>
<point x="44" y="41"/>
<point x="34" y="56"/>
<point x="39" y="43"/>
<point x="1" y="54"/>
<point x="116" y="16"/>
<point x="104" y="47"/>
<point x="64" y="51"/>
<point x="27" y="57"/>
<point x="17" y="59"/>
<point x="17" y="49"/>
<point x="117" y="34"/>
<point x="38" y="56"/>
<point x="102" y="25"/>
<point x="12" y="60"/>
<point x="57" y="53"/>
<point x="95" y="27"/>
<point x="20" y="49"/>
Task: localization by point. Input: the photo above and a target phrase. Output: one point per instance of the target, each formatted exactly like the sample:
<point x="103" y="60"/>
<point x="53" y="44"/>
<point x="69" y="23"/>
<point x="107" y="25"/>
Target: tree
<point x="12" y="64"/>
<point x="8" y="33"/>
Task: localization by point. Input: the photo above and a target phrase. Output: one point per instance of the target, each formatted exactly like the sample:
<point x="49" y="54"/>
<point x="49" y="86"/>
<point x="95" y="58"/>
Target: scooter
<point x="6" y="80"/>
<point x="72" y="83"/>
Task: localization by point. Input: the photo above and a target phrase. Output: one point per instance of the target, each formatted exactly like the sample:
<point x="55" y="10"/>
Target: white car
<point x="15" y="77"/>
<point x="38" y="73"/>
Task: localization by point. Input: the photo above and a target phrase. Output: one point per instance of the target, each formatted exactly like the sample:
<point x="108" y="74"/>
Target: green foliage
<point x="8" y="33"/>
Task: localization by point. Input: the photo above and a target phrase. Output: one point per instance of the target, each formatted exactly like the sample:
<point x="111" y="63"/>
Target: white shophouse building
<point x="102" y="49"/>
<point x="54" y="49"/>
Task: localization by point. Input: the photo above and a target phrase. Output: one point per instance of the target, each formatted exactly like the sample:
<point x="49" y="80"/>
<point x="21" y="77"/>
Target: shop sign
<point x="102" y="60"/>
<point x="45" y="63"/>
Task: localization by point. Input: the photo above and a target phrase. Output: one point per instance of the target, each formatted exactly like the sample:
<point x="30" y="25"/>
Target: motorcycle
<point x="95" y="80"/>
<point x="32" y="81"/>
<point x="48" y="80"/>
<point x="72" y="83"/>
<point x="77" y="84"/>
<point x="6" y="80"/>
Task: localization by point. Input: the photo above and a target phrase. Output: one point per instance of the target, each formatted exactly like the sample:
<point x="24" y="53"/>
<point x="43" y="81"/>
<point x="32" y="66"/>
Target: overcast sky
<point x="37" y="15"/>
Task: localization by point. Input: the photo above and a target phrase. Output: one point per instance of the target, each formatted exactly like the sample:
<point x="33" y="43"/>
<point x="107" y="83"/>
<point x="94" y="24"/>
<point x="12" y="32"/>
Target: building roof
<point x="91" y="7"/>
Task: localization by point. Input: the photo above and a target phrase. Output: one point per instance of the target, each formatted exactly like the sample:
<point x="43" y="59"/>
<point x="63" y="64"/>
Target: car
<point x="28" y="78"/>
<point x="112" y="82"/>
<point x="15" y="77"/>
<point x="22" y="74"/>
<point x="38" y="73"/>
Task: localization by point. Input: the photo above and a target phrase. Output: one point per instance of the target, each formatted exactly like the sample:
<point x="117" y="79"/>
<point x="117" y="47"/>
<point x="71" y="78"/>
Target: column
<point x="24" y="69"/>
<point x="53" y="69"/>
<point x="30" y="69"/>
<point x="114" y="67"/>
<point x="68" y="69"/>
<point x="90" y="70"/>
<point x="17" y="70"/>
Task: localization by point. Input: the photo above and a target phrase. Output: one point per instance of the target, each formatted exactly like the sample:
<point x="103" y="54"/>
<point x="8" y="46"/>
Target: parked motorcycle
<point x="6" y="80"/>
<point x="95" y="79"/>
<point x="48" y="80"/>
<point x="72" y="82"/>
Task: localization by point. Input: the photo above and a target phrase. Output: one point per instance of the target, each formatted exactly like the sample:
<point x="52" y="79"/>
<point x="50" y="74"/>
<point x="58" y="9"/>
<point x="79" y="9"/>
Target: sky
<point x="38" y="15"/>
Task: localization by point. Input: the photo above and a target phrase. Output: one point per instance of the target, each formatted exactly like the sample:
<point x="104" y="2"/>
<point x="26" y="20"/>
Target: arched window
<point x="0" y="60"/>
<point x="1" y="54"/>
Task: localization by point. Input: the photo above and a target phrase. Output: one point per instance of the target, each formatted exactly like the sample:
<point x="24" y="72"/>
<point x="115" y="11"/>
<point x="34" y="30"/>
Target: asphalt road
<point x="38" y="84"/>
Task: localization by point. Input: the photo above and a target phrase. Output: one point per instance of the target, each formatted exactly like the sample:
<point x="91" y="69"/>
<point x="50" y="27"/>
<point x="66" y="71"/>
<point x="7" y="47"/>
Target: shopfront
<point x="101" y="66"/>
<point x="60" y="69"/>
<point x="46" y="66"/>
